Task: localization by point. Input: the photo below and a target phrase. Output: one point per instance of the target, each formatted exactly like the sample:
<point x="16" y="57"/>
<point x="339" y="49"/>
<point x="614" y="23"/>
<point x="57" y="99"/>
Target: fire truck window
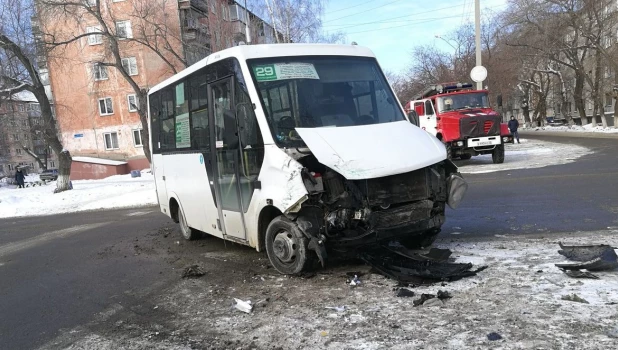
<point x="428" y="108"/>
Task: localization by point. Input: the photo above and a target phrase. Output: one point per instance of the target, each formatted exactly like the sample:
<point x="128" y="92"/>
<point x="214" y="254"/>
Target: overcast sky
<point x="391" y="28"/>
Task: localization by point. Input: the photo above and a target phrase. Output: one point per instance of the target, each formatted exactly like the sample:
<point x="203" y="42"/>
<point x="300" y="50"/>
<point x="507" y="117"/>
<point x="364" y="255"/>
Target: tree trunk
<point x="64" y="172"/>
<point x="143" y="117"/>
<point x="578" y="97"/>
<point x="598" y="99"/>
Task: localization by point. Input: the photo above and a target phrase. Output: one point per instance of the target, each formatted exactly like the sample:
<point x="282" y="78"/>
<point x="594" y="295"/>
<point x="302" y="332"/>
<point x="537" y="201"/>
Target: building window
<point x="100" y="71"/>
<point x="129" y="65"/>
<point x="90" y="2"/>
<point x="132" y="100"/>
<point x="15" y="137"/>
<point x="137" y="138"/>
<point x="20" y="107"/>
<point x="18" y="151"/>
<point x="52" y="164"/>
<point x="608" y="100"/>
<point x="123" y="30"/>
<point x="105" y="106"/>
<point x="111" y="140"/>
<point x="94" y="39"/>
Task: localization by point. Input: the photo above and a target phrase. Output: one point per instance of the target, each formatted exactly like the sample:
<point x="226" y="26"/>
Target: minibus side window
<point x="200" y="135"/>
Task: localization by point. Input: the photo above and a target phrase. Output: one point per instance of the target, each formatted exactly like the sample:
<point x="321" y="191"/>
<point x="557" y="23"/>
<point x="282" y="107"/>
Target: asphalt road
<point x="58" y="272"/>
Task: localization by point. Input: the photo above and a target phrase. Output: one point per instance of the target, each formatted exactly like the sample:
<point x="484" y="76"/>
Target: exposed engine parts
<point x="348" y="213"/>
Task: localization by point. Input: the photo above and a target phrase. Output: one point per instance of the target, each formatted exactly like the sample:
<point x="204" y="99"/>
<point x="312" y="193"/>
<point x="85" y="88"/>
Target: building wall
<point x="205" y="26"/>
<point x="16" y="118"/>
<point x="77" y="92"/>
<point x="90" y="171"/>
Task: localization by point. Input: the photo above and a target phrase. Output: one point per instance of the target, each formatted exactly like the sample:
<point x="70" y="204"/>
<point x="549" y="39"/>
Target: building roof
<point x="245" y="52"/>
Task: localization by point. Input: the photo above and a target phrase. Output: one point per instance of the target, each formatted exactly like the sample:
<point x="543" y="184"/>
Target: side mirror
<point x="230" y="134"/>
<point x="413" y="117"/>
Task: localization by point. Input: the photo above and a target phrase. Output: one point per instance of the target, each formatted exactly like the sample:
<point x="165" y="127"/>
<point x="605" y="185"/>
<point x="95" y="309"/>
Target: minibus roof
<point x="245" y="52"/>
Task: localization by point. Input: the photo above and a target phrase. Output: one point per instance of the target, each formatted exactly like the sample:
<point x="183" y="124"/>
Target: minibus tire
<point x="286" y="246"/>
<point x="465" y="156"/>
<point x="187" y="232"/>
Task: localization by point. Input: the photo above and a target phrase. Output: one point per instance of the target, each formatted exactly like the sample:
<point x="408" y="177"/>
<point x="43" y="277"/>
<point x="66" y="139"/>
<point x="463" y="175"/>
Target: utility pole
<point x="477" y="25"/>
<point x="247" y="32"/>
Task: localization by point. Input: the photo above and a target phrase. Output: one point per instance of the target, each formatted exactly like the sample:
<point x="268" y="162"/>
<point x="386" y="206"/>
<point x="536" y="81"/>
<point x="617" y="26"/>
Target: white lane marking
<point x="15" y="247"/>
<point x="138" y="213"/>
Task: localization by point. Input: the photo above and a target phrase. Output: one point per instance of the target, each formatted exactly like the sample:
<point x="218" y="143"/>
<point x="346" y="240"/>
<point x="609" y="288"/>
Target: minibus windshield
<point x="322" y="91"/>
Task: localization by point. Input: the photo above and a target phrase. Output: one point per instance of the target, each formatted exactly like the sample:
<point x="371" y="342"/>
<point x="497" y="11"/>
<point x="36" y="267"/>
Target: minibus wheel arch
<point x="174" y="206"/>
<point x="268" y="214"/>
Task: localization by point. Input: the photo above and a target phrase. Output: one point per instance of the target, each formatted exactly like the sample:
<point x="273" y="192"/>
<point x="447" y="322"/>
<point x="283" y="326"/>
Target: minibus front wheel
<point x="286" y="246"/>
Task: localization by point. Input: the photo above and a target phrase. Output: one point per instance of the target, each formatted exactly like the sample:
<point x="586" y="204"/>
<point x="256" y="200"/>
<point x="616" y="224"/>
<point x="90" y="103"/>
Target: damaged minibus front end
<point x="361" y="173"/>
<point x="366" y="185"/>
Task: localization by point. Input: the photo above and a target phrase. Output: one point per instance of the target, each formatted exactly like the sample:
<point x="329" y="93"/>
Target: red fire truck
<point x="461" y="117"/>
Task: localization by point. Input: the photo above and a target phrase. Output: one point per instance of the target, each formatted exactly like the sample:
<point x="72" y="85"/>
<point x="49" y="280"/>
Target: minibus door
<point x="226" y="164"/>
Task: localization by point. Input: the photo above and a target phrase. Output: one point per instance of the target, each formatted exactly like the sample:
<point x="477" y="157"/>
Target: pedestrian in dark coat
<point x="513" y="125"/>
<point x="19" y="178"/>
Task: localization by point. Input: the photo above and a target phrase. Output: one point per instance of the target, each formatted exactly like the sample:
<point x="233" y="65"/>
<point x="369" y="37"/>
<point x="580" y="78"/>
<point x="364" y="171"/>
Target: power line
<point x="358" y="13"/>
<point x="405" y="25"/>
<point x="387" y="20"/>
<point x="347" y="8"/>
<point x="415" y="23"/>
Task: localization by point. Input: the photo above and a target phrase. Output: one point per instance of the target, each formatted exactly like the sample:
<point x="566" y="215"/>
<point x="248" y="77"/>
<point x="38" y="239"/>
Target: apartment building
<point x="97" y="109"/>
<point x="20" y="141"/>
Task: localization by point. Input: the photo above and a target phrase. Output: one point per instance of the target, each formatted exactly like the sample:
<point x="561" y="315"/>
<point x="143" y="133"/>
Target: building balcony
<point x="201" y="5"/>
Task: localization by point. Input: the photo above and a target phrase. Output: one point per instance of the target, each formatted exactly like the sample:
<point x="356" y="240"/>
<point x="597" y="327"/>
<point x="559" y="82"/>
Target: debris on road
<point x="493" y="336"/>
<point x="404" y="293"/>
<point x="599" y="257"/>
<point x="336" y="308"/>
<point x="442" y="295"/>
<point x="580" y="274"/>
<point x="423" y="299"/>
<point x="574" y="297"/>
<point x="244" y="306"/>
<point x="193" y="271"/>
<point x="354" y="281"/>
<point x="404" y="265"/>
<point x="613" y="333"/>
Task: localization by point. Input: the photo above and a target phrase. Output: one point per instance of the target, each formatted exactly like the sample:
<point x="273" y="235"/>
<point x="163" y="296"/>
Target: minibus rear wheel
<point x="187" y="232"/>
<point x="286" y="246"/>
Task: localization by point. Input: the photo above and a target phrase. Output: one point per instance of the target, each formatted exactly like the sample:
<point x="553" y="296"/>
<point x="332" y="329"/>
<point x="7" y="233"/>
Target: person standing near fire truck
<point x="513" y="125"/>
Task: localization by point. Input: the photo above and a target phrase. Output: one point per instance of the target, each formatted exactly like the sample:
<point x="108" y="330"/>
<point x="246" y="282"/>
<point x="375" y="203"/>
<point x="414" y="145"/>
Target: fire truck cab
<point x="461" y="118"/>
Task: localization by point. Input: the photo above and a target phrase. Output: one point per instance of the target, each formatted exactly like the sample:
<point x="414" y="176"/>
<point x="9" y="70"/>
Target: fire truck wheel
<point x="465" y="156"/>
<point x="498" y="154"/>
<point x="449" y="152"/>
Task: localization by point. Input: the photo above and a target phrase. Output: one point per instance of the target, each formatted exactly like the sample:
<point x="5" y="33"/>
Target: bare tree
<point x="18" y="65"/>
<point x="154" y="31"/>
<point x="296" y="21"/>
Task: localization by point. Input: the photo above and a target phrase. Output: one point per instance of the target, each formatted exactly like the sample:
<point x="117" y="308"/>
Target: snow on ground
<point x="525" y="155"/>
<point x="120" y="191"/>
<point x="518" y="296"/>
<point x="575" y="128"/>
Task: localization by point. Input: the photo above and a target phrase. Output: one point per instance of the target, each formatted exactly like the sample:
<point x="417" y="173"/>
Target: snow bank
<point x="525" y="155"/>
<point x="119" y="191"/>
<point x="576" y="128"/>
<point x="98" y="161"/>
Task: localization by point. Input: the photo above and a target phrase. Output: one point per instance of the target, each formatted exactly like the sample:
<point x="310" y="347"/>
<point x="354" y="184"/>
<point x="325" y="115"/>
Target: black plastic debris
<point x="442" y="295"/>
<point x="193" y="271"/>
<point x="413" y="268"/>
<point x="424" y="297"/>
<point x="580" y="274"/>
<point x="493" y="336"/>
<point x="404" y="293"/>
<point x="600" y="257"/>
<point x="434" y="254"/>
